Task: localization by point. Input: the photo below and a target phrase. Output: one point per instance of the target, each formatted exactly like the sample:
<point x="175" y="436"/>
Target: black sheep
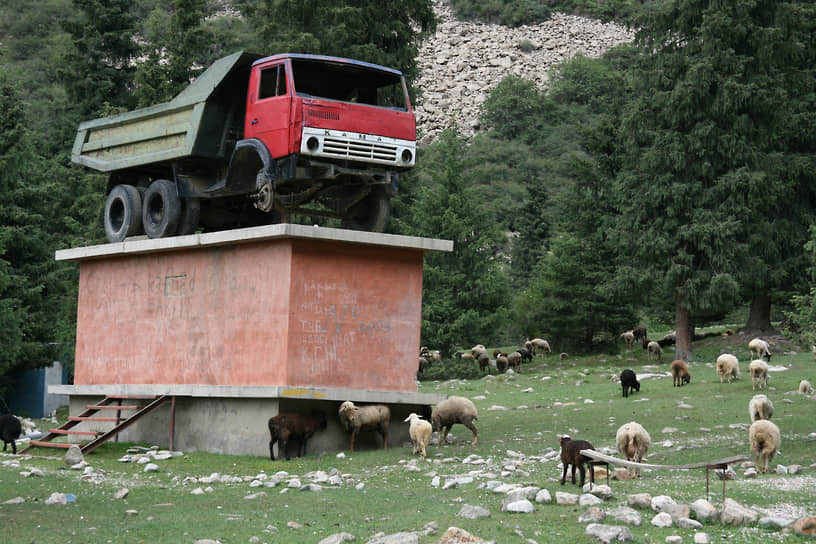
<point x="571" y="455"/>
<point x="525" y="354"/>
<point x="10" y="429"/>
<point x="629" y="382"/>
<point x="301" y="427"/>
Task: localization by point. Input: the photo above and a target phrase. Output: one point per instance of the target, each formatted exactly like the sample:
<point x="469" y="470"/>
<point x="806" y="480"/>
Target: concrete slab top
<point x="251" y="392"/>
<point x="138" y="245"/>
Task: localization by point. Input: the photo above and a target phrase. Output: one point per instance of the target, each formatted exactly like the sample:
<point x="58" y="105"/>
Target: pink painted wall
<point x="285" y="311"/>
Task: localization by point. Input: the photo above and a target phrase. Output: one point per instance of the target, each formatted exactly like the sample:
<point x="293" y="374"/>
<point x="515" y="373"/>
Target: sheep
<point x="653" y="348"/>
<point x="727" y="367"/>
<point x="765" y="441"/>
<point x="468" y="356"/>
<point x="477" y="350"/>
<point x="760" y="407"/>
<point x="514" y="361"/>
<point x="629" y="382"/>
<point x="420" y="433"/>
<point x="633" y="442"/>
<point x="538" y="345"/>
<point x="629" y="338"/>
<point x="805" y="387"/>
<point x="680" y="373"/>
<point x="640" y="335"/>
<point x="10" y="429"/>
<point x="484" y="361"/>
<point x="571" y="455"/>
<point x="423" y="364"/>
<point x="502" y="362"/>
<point x="374" y="417"/>
<point x="454" y="410"/>
<point x="301" y="427"/>
<point x="758" y="369"/>
<point x="525" y="354"/>
<point x="759" y="349"/>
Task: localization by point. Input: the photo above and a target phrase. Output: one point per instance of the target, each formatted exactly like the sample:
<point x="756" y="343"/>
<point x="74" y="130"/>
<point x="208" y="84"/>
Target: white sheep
<point x="633" y="442"/>
<point x="420" y="432"/>
<point x="454" y="410"/>
<point x="765" y="441"/>
<point x="727" y="367"/>
<point x="374" y="417"/>
<point x="538" y="345"/>
<point x="653" y="348"/>
<point x="759" y="348"/>
<point x="760" y="407"/>
<point x="805" y="387"/>
<point x="758" y="369"/>
<point x="629" y="338"/>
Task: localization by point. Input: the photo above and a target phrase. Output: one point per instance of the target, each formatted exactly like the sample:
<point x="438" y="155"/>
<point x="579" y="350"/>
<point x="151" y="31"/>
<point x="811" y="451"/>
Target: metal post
<point x="172" y="421"/>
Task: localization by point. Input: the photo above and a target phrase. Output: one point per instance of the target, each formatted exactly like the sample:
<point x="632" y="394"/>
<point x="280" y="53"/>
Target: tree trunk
<point x="684" y="329"/>
<point x="759" y="318"/>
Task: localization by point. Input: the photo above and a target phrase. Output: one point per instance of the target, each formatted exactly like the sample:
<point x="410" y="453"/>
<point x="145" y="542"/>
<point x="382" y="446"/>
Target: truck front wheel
<point x="161" y="209"/>
<point x="123" y="213"/>
<point x="371" y="213"/>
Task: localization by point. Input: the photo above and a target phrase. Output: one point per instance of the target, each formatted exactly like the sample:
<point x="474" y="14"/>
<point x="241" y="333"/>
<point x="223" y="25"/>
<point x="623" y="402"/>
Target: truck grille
<point x="357" y="150"/>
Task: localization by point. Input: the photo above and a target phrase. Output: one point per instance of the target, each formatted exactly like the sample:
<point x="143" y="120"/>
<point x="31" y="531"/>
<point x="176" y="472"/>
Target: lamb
<point x="10" y="429"/>
<point x="628" y="380"/>
<point x="514" y="361"/>
<point x="633" y="442"/>
<point x="653" y="348"/>
<point x="629" y="338"/>
<point x="571" y="455"/>
<point x="760" y="407"/>
<point x="758" y="369"/>
<point x="374" y="417"/>
<point x="727" y="367"/>
<point x="538" y="345"/>
<point x="680" y="372"/>
<point x="765" y="441"/>
<point x="805" y="387"/>
<point x="301" y="427"/>
<point x="454" y="410"/>
<point x="420" y="433"/>
<point x="759" y="348"/>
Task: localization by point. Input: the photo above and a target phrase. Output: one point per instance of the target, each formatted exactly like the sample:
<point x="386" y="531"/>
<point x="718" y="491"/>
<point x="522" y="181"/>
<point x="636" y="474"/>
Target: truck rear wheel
<point x="123" y="213"/>
<point x="161" y="209"/>
<point x="371" y="213"/>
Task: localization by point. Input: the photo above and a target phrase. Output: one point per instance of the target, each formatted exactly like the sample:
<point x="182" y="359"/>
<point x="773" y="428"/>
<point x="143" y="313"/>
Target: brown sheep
<point x="375" y="417"/>
<point x="301" y="427"/>
<point x="571" y="455"/>
<point x="680" y="372"/>
<point x="454" y="410"/>
<point x="765" y="441"/>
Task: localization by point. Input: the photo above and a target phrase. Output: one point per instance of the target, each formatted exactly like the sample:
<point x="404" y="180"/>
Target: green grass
<point x="549" y="398"/>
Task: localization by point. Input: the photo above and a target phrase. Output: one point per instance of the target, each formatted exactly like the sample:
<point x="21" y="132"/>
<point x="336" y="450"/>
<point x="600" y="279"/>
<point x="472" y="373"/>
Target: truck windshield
<point x="348" y="83"/>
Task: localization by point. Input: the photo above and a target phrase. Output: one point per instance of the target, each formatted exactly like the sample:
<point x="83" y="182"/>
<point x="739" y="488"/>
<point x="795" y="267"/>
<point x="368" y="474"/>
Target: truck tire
<point x="123" y="213"/>
<point x="161" y="209"/>
<point x="371" y="213"/>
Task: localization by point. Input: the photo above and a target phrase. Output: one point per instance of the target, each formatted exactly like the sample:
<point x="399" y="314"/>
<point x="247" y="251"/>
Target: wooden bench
<point x="719" y="464"/>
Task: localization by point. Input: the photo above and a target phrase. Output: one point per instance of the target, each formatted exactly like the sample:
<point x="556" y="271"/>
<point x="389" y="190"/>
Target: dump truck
<point x="255" y="140"/>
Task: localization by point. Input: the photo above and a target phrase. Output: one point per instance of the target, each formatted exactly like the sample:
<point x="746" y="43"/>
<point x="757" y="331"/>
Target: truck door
<point x="268" y="108"/>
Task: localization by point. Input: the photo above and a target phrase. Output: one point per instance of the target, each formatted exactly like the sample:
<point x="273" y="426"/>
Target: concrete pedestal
<point x="241" y="325"/>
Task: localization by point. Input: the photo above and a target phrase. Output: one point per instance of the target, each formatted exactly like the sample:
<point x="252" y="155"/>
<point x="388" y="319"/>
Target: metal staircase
<point x="126" y="413"/>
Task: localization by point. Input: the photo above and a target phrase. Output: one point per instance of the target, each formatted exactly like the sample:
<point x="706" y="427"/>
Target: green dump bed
<point x="204" y="120"/>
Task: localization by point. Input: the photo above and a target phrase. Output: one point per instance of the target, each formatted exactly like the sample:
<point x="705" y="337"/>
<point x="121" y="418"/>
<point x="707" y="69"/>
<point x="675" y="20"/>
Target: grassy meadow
<point x="522" y="414"/>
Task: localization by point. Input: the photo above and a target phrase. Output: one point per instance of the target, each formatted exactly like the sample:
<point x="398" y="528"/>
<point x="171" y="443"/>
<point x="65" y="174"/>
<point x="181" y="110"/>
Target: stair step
<point x="87" y="418"/>
<point x="68" y="431"/>
<point x="135" y="397"/>
<point x="50" y="444"/>
<point x="113" y="407"/>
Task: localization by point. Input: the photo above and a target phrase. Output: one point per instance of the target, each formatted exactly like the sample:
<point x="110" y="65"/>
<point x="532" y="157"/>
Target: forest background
<point x="669" y="182"/>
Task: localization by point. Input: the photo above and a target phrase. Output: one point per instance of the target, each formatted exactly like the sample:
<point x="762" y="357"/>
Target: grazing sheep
<point x="758" y="369"/>
<point x="538" y="345"/>
<point x="514" y="361"/>
<point x="765" y="441"/>
<point x="301" y="427"/>
<point x="420" y="433"/>
<point x="633" y="442"/>
<point x="680" y="372"/>
<point x="525" y="354"/>
<point x="468" y="356"/>
<point x="454" y="410"/>
<point x="653" y="348"/>
<point x="571" y="455"/>
<point x="805" y="387"/>
<point x="374" y="417"/>
<point x="629" y="382"/>
<point x="759" y="348"/>
<point x="423" y="364"/>
<point x="10" y="429"/>
<point x="640" y="335"/>
<point x="502" y="362"/>
<point x="629" y="338"/>
<point x="477" y="350"/>
<point x="727" y="367"/>
<point x="563" y="356"/>
<point x="484" y="361"/>
<point x="760" y="407"/>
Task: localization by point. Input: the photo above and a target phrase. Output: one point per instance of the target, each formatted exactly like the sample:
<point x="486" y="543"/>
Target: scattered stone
<point x="704" y="510"/>
<point x="543" y="496"/>
<point x="609" y="533"/>
<point x="625" y="514"/>
<point x="749" y="473"/>
<point x="523" y="507"/>
<point x="293" y="524"/>
<point x="396" y="538"/>
<point x="663" y="519"/>
<point x="621" y="474"/>
<point x="56" y="498"/>
<point x="701" y="538"/>
<point x="73" y="456"/>
<point x="15" y="500"/>
<point x="686" y="523"/>
<point x="451" y="483"/>
<point x="565" y="498"/>
<point x="254" y="496"/>
<point x="455" y="535"/>
<point x="781" y="469"/>
<point x="473" y="512"/>
<point x="794" y="469"/>
<point x="674" y="539"/>
<point x="804" y="526"/>
<point x="639" y="500"/>
<point x="589" y="500"/>
<point x="726" y="474"/>
<point x="602" y="491"/>
<point x="775" y="523"/>
<point x="661" y="503"/>
<point x="733" y="513"/>
<point x="337" y="538"/>
<point x="592" y="515"/>
<point x="132" y="512"/>
<point x="151" y="467"/>
<point x="121" y="494"/>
